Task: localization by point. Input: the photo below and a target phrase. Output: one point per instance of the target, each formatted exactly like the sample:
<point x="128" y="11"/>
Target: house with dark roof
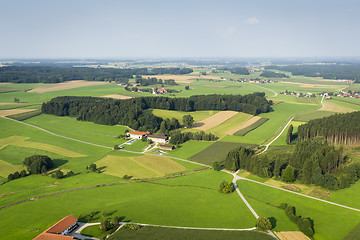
<point x="59" y="230"/>
<point x="158" y="138"/>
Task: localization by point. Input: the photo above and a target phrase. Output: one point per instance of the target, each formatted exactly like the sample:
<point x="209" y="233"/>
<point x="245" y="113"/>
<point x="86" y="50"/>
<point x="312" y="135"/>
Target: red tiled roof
<point x="55" y="230"/>
<point x="138" y="133"/>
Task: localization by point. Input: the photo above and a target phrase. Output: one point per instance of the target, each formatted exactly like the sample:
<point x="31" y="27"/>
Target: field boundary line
<point x="300" y="194"/>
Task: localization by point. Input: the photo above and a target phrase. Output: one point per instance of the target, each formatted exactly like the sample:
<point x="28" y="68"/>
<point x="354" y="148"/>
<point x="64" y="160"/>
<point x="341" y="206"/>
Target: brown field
<point x="64" y="86"/>
<point x="4" y="113"/>
<point x="293" y="235"/>
<point x="116" y="96"/>
<point x="181" y="78"/>
<point x="214" y="120"/>
<point x="5" y="83"/>
<point x="333" y="107"/>
<point x="244" y="125"/>
<point x="4" y="103"/>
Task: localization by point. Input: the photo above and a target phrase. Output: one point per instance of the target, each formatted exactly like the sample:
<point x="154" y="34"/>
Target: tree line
<point x="312" y="162"/>
<point x="154" y="81"/>
<point x="330" y="71"/>
<point x="337" y="129"/>
<point x="51" y="74"/>
<point x="271" y="74"/>
<point x="132" y="112"/>
<point x="239" y="70"/>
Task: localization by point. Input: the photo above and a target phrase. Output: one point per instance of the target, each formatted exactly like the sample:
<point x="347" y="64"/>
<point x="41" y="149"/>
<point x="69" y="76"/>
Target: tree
<point x="43" y="169"/>
<point x="16" y="175"/>
<point x="263" y="223"/>
<point x="16" y="100"/>
<point x="289" y="135"/>
<point x="187" y="87"/>
<point x="23" y="173"/>
<point x="35" y="163"/>
<point x="116" y="147"/>
<point x="188" y="120"/>
<point x="216" y="166"/>
<point x="58" y="174"/>
<point x="226" y="187"/>
<point x="10" y="177"/>
<point x="93" y="167"/>
<point x="288" y="174"/>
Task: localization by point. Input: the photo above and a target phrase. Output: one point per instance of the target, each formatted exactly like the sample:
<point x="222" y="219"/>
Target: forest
<point x="312" y="162"/>
<point x="337" y="129"/>
<point x="154" y="81"/>
<point x="271" y="74"/>
<point x="239" y="70"/>
<point x="50" y="74"/>
<point x="329" y="71"/>
<point x="131" y="112"/>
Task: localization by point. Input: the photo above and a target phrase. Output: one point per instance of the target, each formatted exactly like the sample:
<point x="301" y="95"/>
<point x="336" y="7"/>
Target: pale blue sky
<point x="130" y="29"/>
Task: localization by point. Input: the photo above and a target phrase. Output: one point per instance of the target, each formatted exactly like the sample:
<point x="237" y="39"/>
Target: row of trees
<point x="131" y="112"/>
<point x="51" y="74"/>
<point x="312" y="162"/>
<point x="331" y="71"/>
<point x="240" y="70"/>
<point x="16" y="175"/>
<point x="337" y="129"/>
<point x="154" y="81"/>
<point x="178" y="137"/>
<point x="271" y="74"/>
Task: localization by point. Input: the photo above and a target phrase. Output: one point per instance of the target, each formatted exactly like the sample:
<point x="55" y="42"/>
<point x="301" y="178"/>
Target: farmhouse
<point x="137" y="134"/>
<point x="59" y="230"/>
<point x="158" y="138"/>
<point x="166" y="147"/>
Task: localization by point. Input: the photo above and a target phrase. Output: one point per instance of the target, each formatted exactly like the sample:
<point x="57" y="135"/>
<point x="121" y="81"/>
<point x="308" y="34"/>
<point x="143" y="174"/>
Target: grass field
<point x="189" y="149"/>
<point x="139" y="202"/>
<point x="145" y="166"/>
<point x="85" y="131"/>
<point x="310" y="115"/>
<point x="354" y="234"/>
<point x="282" y="139"/>
<point x="197" y="115"/>
<point x="64" y="86"/>
<point x="251" y="126"/>
<point x="25" y="115"/>
<point x="215" y="152"/>
<point x="180" y="234"/>
<point x="7" y="168"/>
<point x="333" y="106"/>
<point x="330" y="222"/>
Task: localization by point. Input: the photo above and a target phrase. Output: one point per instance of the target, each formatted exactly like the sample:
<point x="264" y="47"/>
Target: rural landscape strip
<point x="267" y="89"/>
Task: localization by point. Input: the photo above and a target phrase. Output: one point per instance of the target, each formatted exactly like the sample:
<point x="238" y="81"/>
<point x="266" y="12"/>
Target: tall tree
<point x="188" y="121"/>
<point x="289" y="135"/>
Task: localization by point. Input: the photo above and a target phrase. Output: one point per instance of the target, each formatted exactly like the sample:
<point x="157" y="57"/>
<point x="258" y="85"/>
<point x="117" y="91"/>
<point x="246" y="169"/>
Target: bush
<point x="263" y="223"/>
<point x="226" y="187"/>
<point x="282" y="206"/>
<point x="10" y="177"/>
<point x="57" y="174"/>
<point x="216" y="166"/>
<point x="132" y="226"/>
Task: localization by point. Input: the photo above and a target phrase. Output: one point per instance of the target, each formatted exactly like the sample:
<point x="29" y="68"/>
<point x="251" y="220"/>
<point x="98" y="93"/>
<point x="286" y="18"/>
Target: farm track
<point x="235" y="178"/>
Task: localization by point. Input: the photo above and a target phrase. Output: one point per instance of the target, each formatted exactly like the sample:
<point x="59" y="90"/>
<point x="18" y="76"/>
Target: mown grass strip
<point x="253" y="126"/>
<point x="25" y="115"/>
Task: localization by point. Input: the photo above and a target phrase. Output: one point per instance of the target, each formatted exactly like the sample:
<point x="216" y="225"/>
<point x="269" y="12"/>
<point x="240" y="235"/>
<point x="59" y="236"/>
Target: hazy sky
<point x="181" y="28"/>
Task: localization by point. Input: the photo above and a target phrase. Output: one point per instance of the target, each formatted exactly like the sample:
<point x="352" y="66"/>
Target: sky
<point x="179" y="28"/>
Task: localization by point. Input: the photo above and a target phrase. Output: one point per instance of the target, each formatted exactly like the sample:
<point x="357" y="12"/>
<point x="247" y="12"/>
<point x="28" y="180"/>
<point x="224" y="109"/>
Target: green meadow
<point x="330" y="222"/>
<point x="197" y="115"/>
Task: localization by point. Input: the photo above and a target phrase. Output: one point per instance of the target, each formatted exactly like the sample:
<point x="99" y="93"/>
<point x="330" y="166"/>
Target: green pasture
<point x="348" y="196"/>
<point x="81" y="130"/>
<point x="215" y="152"/>
<point x="139" y="202"/>
<point x="353" y="87"/>
<point x="354" y="234"/>
<point x="253" y="126"/>
<point x="347" y="104"/>
<point x="197" y="115"/>
<point x="330" y="222"/>
<point x="155" y="233"/>
<point x="189" y="149"/>
<point x="310" y="115"/>
<point x="282" y="139"/>
<point x="282" y="112"/>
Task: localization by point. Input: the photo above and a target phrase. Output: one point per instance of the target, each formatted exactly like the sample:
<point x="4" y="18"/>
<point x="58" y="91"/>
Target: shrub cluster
<point x="226" y="187"/>
<point x="16" y="175"/>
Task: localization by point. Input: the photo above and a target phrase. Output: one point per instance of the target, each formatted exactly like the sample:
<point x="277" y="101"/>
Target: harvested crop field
<point x="146" y="166"/>
<point x="244" y="125"/>
<point x="64" y="86"/>
<point x="182" y="78"/>
<point x="214" y="120"/>
<point x="116" y="96"/>
<point x="20" y="142"/>
<point x="333" y="107"/>
<point x="293" y="235"/>
<point x="4" y="113"/>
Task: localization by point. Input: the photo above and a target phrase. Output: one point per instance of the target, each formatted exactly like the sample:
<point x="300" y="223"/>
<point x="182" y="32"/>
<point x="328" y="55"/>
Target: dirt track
<point x="244" y="125"/>
<point x="214" y="120"/>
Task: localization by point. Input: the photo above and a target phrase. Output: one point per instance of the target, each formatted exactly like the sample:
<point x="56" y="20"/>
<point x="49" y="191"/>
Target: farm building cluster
<point x="160" y="138"/>
<point x="298" y="94"/>
<point x="60" y="230"/>
<point x="342" y="93"/>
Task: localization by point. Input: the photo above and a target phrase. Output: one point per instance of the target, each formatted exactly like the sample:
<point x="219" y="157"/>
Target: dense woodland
<point x="312" y="162"/>
<point x="131" y="112"/>
<point x="240" y="70"/>
<point x="49" y="74"/>
<point x="154" y="81"/>
<point x="271" y="74"/>
<point x="337" y="129"/>
<point x="330" y="71"/>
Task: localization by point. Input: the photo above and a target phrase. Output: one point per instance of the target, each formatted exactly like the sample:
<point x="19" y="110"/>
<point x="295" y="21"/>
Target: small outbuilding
<point x="166" y="147"/>
<point x="158" y="138"/>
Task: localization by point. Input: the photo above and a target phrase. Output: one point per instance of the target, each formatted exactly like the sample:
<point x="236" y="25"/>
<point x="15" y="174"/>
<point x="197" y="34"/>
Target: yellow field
<point x="146" y="166"/>
<point x="214" y="120"/>
<point x="333" y="107"/>
<point x="116" y="96"/>
<point x="20" y="142"/>
<point x="293" y="235"/>
<point x="4" y="113"/>
<point x="65" y="85"/>
<point x="6" y="168"/>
